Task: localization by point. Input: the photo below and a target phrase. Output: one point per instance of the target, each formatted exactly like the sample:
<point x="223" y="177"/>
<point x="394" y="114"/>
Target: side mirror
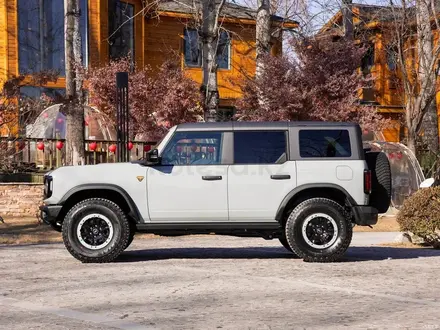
<point x="153" y="157"/>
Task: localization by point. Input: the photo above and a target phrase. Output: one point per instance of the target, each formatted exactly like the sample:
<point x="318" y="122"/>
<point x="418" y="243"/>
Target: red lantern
<point x="211" y="149"/>
<point x="112" y="148"/>
<point x="179" y="149"/>
<point x="399" y="155"/>
<point x="130" y="145"/>
<point x="59" y="145"/>
<point x="20" y="145"/>
<point x="40" y="145"/>
<point x="147" y="147"/>
<point x="391" y="155"/>
<point x="93" y="146"/>
<point x="194" y="148"/>
<point x="60" y="120"/>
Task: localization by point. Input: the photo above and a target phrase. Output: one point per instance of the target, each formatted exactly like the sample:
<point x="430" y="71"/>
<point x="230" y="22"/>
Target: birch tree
<point x="209" y="31"/>
<point x="427" y="74"/>
<point x="263" y="35"/>
<point x="73" y="107"/>
<point x="410" y="33"/>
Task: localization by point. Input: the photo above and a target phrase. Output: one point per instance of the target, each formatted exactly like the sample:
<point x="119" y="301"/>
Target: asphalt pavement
<point x="218" y="282"/>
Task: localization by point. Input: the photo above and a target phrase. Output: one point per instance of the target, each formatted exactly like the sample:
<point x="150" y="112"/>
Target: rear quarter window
<point x="324" y="143"/>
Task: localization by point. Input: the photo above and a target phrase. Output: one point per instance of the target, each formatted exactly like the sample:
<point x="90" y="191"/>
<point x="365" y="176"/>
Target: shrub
<point x="320" y="83"/>
<point x="420" y="215"/>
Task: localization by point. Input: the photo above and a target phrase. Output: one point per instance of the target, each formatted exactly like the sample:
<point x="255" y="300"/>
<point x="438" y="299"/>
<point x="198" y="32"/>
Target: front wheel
<point x="96" y="230"/>
<point x="318" y="230"/>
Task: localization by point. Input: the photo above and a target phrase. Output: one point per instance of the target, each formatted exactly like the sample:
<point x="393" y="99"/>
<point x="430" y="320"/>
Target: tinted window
<point x="192" y="50"/>
<point x="193" y="148"/>
<point x="223" y="50"/>
<point x="324" y="143"/>
<point x="259" y="147"/>
<point x="121" y="30"/>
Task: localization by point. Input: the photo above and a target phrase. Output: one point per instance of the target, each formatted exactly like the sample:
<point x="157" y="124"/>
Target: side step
<point x="267" y="230"/>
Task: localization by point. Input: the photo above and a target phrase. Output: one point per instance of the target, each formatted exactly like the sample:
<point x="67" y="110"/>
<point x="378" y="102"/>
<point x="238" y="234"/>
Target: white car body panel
<point x="348" y="174"/>
<point x="253" y="196"/>
<point x="179" y="194"/>
<point x="123" y="175"/>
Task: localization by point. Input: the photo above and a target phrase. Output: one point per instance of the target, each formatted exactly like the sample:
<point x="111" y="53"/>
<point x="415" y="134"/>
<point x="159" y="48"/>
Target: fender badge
<point x="140" y="178"/>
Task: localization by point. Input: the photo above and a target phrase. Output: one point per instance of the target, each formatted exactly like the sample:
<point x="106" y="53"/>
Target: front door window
<point x="193" y="148"/>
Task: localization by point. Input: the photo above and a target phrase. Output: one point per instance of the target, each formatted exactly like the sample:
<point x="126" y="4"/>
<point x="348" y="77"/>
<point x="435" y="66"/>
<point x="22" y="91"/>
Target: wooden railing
<point x="27" y="154"/>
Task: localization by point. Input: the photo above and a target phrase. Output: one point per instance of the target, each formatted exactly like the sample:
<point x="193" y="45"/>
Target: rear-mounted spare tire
<point x="378" y="164"/>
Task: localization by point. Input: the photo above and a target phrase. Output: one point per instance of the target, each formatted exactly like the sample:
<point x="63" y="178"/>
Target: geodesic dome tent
<point x="51" y="124"/>
<point x="406" y="172"/>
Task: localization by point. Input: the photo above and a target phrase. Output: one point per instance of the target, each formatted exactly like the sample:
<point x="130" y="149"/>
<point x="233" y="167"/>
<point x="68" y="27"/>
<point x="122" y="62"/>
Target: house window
<point x="223" y="50"/>
<point x="121" y="29"/>
<point x="368" y="61"/>
<point x="193" y="50"/>
<point x="391" y="58"/>
<point x="225" y="113"/>
<point x="193" y="53"/>
<point x="41" y="35"/>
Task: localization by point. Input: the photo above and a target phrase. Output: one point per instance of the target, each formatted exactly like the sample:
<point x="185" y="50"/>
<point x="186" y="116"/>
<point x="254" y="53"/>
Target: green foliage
<point x="420" y="215"/>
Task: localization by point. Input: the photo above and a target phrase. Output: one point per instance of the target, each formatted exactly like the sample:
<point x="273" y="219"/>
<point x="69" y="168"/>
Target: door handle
<point x="211" y="177"/>
<point x="280" y="177"/>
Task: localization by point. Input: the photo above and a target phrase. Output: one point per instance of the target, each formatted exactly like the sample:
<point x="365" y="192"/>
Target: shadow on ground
<point x="354" y="254"/>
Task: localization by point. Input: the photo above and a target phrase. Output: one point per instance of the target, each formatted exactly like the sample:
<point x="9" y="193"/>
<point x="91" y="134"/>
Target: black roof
<point x="262" y="125"/>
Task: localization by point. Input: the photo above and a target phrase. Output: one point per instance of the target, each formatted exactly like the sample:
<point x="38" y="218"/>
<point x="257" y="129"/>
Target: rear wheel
<point x="318" y="230"/>
<point x="96" y="230"/>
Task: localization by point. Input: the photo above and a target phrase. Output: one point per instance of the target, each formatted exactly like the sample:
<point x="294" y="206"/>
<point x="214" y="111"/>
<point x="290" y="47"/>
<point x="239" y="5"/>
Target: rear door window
<point x="324" y="143"/>
<point x="260" y="147"/>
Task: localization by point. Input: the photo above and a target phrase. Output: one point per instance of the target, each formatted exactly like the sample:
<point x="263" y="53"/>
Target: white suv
<point x="304" y="183"/>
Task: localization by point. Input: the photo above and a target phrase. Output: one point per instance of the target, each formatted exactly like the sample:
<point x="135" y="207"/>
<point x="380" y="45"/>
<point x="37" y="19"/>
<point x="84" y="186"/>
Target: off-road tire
<point x="118" y="219"/>
<point x="297" y="241"/>
<point x="380" y="197"/>
<point x="132" y="233"/>
<point x="286" y="245"/>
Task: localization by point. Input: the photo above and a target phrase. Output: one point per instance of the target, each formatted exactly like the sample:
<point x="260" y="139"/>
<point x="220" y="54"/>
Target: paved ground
<point x="213" y="282"/>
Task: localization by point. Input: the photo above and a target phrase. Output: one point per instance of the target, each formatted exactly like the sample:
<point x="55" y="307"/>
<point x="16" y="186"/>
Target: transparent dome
<point x="51" y="124"/>
<point x="406" y="172"/>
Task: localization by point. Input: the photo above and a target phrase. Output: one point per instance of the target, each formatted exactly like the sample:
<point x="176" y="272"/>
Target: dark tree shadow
<point x="354" y="254"/>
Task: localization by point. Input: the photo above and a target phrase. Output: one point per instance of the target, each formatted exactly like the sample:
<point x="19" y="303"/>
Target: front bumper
<point x="365" y="215"/>
<point x="49" y="214"/>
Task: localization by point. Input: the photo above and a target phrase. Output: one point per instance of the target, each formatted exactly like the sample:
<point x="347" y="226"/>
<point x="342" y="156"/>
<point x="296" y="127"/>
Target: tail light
<point x="367" y="182"/>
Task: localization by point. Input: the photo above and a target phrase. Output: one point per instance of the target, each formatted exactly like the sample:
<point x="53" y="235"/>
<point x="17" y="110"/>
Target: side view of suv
<point x="304" y="183"/>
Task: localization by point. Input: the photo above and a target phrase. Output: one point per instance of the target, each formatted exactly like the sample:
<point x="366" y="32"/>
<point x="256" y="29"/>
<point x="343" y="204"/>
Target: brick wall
<point x="20" y="199"/>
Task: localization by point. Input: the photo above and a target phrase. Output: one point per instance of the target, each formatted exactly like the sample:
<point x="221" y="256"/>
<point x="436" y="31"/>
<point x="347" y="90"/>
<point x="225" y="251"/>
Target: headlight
<point x="48" y="186"/>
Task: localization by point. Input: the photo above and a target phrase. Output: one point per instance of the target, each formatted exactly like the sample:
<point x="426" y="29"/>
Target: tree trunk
<point x="74" y="104"/>
<point x="347" y="15"/>
<point x="263" y="35"/>
<point x="427" y="77"/>
<point x="209" y="36"/>
<point x="410" y="126"/>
